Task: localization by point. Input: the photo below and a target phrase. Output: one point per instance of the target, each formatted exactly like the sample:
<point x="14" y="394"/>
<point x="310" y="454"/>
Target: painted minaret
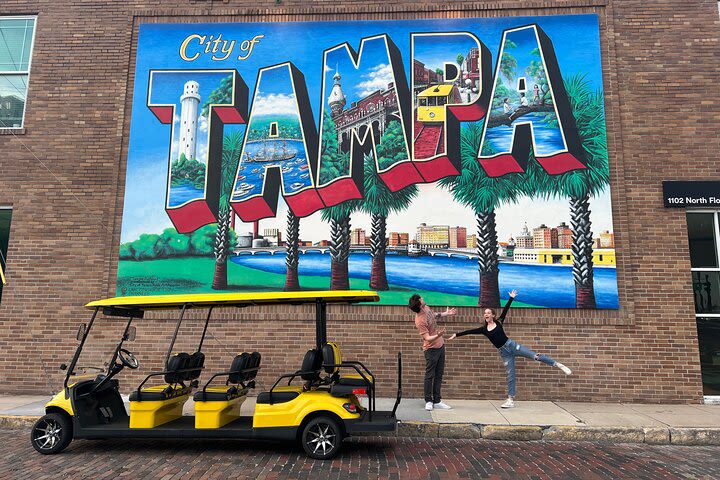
<point x="336" y="100"/>
<point x="190" y="103"/>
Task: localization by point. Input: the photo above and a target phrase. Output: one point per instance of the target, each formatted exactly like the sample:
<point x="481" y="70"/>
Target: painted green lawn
<point x="194" y="275"/>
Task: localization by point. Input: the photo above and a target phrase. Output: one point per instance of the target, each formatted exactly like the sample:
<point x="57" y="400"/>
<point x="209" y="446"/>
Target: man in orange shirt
<point x="434" y="348"/>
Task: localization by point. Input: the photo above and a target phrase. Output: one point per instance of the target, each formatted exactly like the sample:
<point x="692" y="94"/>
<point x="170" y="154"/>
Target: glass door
<point x="704" y="239"/>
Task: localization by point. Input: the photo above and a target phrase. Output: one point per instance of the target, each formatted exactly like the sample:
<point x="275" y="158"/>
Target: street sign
<point x="684" y="194"/>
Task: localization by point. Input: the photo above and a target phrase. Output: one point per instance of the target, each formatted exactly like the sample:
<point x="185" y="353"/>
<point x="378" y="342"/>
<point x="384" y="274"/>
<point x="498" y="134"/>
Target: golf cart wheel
<point x="321" y="438"/>
<point x="52" y="433"/>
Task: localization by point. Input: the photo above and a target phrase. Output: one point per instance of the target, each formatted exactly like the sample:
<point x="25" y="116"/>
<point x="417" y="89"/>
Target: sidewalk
<point x="529" y="420"/>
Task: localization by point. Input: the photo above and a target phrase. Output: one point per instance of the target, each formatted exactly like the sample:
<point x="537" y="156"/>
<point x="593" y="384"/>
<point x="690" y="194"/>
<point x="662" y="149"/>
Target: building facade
<point x="64" y="132"/>
<point x="545" y="237"/>
<point x="458" y="237"/>
<point x="396" y="239"/>
<point x="357" y="236"/>
<point x="433" y="236"/>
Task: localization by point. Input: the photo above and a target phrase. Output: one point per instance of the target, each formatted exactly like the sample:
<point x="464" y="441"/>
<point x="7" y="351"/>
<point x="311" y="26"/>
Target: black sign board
<point x="691" y="194"/>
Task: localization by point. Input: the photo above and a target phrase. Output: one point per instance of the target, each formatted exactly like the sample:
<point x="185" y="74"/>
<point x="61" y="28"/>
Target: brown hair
<point x="489" y="308"/>
<point x="482" y="318"/>
<point x="414" y="303"/>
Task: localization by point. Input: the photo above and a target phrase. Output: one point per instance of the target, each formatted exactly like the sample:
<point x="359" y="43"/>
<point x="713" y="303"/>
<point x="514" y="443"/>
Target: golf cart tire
<point x="58" y="439"/>
<point x="322" y="438"/>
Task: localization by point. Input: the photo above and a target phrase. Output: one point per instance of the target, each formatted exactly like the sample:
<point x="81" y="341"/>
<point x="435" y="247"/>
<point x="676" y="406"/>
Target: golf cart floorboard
<point x="378" y="421"/>
<point x="183" y="427"/>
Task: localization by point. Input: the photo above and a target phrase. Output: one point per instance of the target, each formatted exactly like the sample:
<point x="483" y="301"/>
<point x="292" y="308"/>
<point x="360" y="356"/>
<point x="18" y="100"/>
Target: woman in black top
<point x="508" y="348"/>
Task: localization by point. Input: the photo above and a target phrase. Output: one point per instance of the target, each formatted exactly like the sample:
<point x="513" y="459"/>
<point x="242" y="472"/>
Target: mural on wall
<point x="456" y="158"/>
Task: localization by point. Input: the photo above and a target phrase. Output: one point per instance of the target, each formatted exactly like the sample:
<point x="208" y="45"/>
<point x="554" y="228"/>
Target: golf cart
<point x="316" y="405"/>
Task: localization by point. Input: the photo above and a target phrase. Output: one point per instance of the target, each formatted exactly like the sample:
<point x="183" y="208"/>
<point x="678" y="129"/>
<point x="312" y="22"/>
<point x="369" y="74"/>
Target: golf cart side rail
<point x="291" y="376"/>
<point x="231" y="372"/>
<point x="157" y="374"/>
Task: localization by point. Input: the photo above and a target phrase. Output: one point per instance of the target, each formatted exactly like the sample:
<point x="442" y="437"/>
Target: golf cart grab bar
<point x="354" y="367"/>
<point x="245" y="370"/>
<point x="399" y="391"/>
<point x="291" y="376"/>
<point x="156" y="374"/>
<point x="371" y="383"/>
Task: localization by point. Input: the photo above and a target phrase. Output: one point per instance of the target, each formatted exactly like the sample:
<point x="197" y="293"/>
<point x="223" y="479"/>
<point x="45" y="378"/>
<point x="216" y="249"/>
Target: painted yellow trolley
<point x="316" y="405"/>
<point x="431" y="102"/>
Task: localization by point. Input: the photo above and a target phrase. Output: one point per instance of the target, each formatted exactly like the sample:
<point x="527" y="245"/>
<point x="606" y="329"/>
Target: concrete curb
<point x="561" y="433"/>
<point x="557" y="433"/>
<point x="17" y="422"/>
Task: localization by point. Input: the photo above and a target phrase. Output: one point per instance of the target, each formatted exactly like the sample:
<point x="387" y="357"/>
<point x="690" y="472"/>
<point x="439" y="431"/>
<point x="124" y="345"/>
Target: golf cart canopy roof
<point x="202" y="300"/>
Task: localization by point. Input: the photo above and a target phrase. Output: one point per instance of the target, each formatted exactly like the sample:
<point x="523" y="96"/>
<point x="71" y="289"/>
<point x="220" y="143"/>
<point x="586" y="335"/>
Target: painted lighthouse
<point x="189" y="105"/>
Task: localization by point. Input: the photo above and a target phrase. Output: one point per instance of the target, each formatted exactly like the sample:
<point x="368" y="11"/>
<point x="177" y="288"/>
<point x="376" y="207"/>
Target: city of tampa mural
<point x="459" y="159"/>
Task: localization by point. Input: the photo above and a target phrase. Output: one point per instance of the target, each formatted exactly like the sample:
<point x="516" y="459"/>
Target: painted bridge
<point x="402" y="249"/>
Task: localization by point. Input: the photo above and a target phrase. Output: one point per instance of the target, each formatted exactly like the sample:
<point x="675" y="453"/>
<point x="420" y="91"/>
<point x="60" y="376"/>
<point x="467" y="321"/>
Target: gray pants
<point x="434" y="370"/>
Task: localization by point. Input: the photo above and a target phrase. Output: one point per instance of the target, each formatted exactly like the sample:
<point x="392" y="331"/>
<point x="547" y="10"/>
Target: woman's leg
<point x="509" y="362"/>
<point x="523" y="351"/>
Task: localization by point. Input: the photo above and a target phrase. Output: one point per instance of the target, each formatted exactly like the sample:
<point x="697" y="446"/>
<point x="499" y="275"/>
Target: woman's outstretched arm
<point x="473" y="331"/>
<point x="501" y="318"/>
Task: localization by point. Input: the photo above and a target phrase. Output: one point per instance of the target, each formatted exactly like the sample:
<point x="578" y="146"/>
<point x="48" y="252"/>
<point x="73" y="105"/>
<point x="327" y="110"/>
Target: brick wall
<point x="64" y="177"/>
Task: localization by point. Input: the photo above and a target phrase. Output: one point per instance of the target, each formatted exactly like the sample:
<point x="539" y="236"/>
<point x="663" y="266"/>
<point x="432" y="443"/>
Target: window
<point x="5" y="216"/>
<point x="704" y="243"/>
<point x="16" y="42"/>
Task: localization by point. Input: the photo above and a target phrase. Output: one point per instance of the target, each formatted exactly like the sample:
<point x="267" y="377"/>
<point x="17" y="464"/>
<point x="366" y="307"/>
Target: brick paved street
<point x="370" y="457"/>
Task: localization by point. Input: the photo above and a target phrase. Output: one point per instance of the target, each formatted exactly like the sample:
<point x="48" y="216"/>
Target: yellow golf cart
<point x="316" y="405"/>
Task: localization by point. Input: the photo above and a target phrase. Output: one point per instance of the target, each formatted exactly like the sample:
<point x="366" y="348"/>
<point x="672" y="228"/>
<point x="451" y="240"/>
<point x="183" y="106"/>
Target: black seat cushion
<point x="255" y="358"/>
<point x="230" y="394"/>
<point x="196" y="361"/>
<point x="277" y="397"/>
<point x="179" y="361"/>
<point x="311" y="364"/>
<point x="328" y="353"/>
<point x="346" y="385"/>
<point x="355" y="381"/>
<point x="165" y="394"/>
<point x="240" y="362"/>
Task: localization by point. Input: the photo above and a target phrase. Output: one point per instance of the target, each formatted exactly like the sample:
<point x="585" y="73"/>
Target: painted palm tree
<point x="580" y="185"/>
<point x="379" y="202"/>
<point x="339" y="219"/>
<point x="334" y="164"/>
<point x="474" y="189"/>
<point x="232" y="149"/>
<point x="292" y="283"/>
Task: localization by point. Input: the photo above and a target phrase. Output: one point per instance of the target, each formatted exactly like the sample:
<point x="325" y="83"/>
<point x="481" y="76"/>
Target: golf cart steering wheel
<point x="128" y="359"/>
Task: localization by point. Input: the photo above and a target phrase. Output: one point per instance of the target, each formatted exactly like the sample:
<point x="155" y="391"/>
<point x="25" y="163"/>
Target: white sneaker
<point x="442" y="406"/>
<point x="509" y="403"/>
<point x="429" y="406"/>
<point x="563" y="368"/>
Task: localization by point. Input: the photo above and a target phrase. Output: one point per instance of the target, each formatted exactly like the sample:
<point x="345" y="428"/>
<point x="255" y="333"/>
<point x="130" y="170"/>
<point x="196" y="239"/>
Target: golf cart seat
<point x="153" y="406"/>
<point x="241" y="378"/>
<point x="309" y="371"/>
<point x="220" y="405"/>
<point x="175" y="375"/>
<point x="346" y="384"/>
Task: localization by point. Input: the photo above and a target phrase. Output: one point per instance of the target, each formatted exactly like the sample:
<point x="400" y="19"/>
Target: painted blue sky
<point x="575" y="38"/>
<point x="434" y="54"/>
<point x="275" y="95"/>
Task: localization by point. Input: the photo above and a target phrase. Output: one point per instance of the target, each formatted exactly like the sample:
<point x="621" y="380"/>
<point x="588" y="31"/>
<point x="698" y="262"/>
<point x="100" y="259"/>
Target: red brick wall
<point x="64" y="177"/>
